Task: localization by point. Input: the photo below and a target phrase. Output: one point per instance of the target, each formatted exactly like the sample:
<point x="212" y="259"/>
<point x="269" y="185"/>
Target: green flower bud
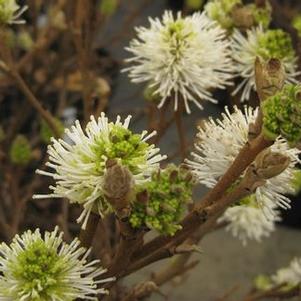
<point x="282" y="115"/>
<point x="194" y="4"/>
<point x="249" y="201"/>
<point x="262" y="15"/>
<point x="125" y="145"/>
<point x="24" y="40"/>
<point x="262" y="282"/>
<point x="46" y="132"/>
<point x="168" y="193"/>
<point x="220" y="11"/>
<point x="20" y="151"/>
<point x="108" y="7"/>
<point x="297" y="24"/>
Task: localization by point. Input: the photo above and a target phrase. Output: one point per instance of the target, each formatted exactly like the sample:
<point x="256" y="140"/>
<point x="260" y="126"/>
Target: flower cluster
<point x="220" y="11"/>
<point x="10" y="12"/>
<point x="161" y="202"/>
<point x="282" y="114"/>
<point x="264" y="45"/>
<point x="181" y="58"/>
<point x="230" y="12"/>
<point x="35" y="267"/>
<point x="219" y="142"/>
<point x="79" y="167"/>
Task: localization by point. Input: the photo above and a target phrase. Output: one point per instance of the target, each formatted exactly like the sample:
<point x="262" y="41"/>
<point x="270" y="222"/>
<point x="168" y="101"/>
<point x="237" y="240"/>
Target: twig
<point x="276" y="292"/>
<point x="246" y="156"/>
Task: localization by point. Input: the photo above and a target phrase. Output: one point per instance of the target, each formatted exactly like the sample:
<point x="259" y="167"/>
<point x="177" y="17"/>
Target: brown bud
<point x="269" y="77"/>
<point x="118" y="184"/>
<point x="242" y="17"/>
<point x="261" y="3"/>
<point x="270" y="164"/>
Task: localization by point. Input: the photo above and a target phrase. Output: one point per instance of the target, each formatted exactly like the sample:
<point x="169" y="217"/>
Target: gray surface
<point x="225" y="262"/>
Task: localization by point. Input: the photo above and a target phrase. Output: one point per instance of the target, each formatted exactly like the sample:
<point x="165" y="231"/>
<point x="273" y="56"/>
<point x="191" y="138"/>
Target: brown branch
<point x="276" y="292"/>
<point x="34" y="102"/>
<point x="245" y="157"/>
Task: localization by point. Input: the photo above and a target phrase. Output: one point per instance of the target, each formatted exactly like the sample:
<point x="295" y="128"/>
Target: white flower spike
<point x="290" y="275"/>
<point x="35" y="267"/>
<point x="264" y="44"/>
<point x="181" y="57"/>
<point x="250" y="220"/>
<point x="79" y="167"/>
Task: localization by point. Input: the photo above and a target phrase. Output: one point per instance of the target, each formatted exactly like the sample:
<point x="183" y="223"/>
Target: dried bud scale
<point x="269" y="77"/>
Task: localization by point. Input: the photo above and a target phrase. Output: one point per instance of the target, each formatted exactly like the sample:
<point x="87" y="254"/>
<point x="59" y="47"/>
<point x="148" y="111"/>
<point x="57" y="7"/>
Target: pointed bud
<point x="269" y="77"/>
<point x="118" y="185"/>
<point x="270" y="164"/>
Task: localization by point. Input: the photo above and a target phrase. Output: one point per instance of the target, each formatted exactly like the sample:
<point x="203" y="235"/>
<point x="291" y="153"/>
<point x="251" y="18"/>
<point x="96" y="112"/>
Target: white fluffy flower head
<point x="264" y="44"/>
<point x="250" y="220"/>
<point x="35" y="267"/>
<point x="181" y="58"/>
<point x="219" y="142"/>
<point x="290" y="275"/>
<point x="79" y="167"/>
<point x="10" y="12"/>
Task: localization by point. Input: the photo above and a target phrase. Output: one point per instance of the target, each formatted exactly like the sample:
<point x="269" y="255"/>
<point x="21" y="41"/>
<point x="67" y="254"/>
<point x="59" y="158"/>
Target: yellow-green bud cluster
<point x="275" y="44"/>
<point x="46" y="132"/>
<point x="249" y="201"/>
<point x="220" y="11"/>
<point x="20" y="151"/>
<point x="194" y="4"/>
<point x="262" y="282"/>
<point x="10" y="11"/>
<point x="108" y="7"/>
<point x="297" y="24"/>
<point x="164" y="202"/>
<point x="282" y="115"/>
<point x="123" y="145"/>
<point x="40" y="268"/>
<point x="262" y="15"/>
